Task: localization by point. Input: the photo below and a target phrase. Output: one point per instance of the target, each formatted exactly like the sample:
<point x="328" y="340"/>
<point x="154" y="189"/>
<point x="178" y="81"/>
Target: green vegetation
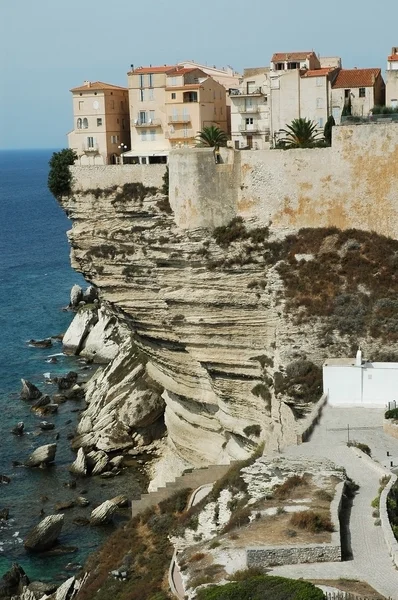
<point x="327" y="130"/>
<point x="385" y="110"/>
<point x="383" y="482"/>
<point x="301" y="383"/>
<point x="142" y="548"/>
<point x="311" y="521"/>
<point x="134" y="191"/>
<point x="252" y="430"/>
<point x="165" y="186"/>
<point x="285" y="489"/>
<point x="262" y="587"/>
<point x="301" y="133"/>
<point x="392" y="508"/>
<point x="212" y="137"/>
<point x="60" y="178"/>
<point x="363" y="447"/>
<point x="391" y="414"/>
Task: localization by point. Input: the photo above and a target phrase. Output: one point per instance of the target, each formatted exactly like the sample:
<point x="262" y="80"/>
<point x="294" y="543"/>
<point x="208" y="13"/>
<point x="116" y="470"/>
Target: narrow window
<point x="362" y="92"/>
<point x="143" y="135"/>
<point x="112" y="104"/>
<point x="319" y="102"/>
<point x="90" y="142"/>
<point x="151" y="94"/>
<point x="141" y="81"/>
<point x="123" y="124"/>
<point x="319" y="81"/>
<point x="85" y="123"/>
<point x="152" y="134"/>
<point x="81" y="104"/>
<point x="173" y="96"/>
<point x="142" y="117"/>
<point x="99" y="122"/>
<point x="79" y="123"/>
<point x="320" y="122"/>
<point x="142" y="96"/>
<point x="150" y="80"/>
<point x="151" y="116"/>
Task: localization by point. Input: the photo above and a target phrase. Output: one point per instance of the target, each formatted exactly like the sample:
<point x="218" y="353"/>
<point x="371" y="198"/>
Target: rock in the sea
<point x="79" y="466"/>
<point x="121" y="501"/>
<point x="76" y="392"/>
<point x="42" y="456"/>
<point x="64" y="505"/>
<point x="103" y="513"/>
<point x="46" y="426"/>
<point x="44" y="535"/>
<point x="78" y="330"/>
<point x="67" y="381"/>
<point x="41" y="402"/>
<point x="13" y="582"/>
<point x="116" y="462"/>
<point x="46" y="343"/>
<point x="41" y="589"/>
<point x="29" y="391"/>
<point x="104" y="339"/>
<point x="4" y="479"/>
<point x="82" y="501"/>
<point x="76" y="296"/>
<point x="98" y="461"/>
<point x="18" y="428"/>
<point x="81" y="521"/>
<point x="48" y="409"/>
<point x="4" y="512"/>
<point x="90" y="294"/>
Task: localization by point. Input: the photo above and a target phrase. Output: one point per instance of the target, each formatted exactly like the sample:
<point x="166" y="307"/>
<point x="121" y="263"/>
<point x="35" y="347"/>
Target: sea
<point x="35" y="283"/>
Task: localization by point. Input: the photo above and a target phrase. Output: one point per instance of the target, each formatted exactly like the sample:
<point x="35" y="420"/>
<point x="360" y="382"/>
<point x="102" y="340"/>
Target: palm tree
<point x="301" y="133"/>
<point x="212" y="136"/>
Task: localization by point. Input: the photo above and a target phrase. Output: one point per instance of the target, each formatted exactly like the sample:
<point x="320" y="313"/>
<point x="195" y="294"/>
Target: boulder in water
<point x="41" y="402"/>
<point x="79" y="466"/>
<point x="97" y="461"/>
<point x="4" y="512"/>
<point x="44" y="535"/>
<point x="46" y="426"/>
<point x="90" y="294"/>
<point x="42" y="456"/>
<point x="103" y="513"/>
<point x="82" y="501"/>
<point x="18" y="428"/>
<point x="64" y="505"/>
<point x="13" y="582"/>
<point x="46" y="343"/>
<point x="4" y="479"/>
<point x="67" y="381"/>
<point x="76" y="296"/>
<point x="29" y="391"/>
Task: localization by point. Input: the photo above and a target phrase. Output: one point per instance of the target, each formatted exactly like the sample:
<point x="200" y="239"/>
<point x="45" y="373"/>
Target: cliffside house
<point x="101" y="130"/>
<point x="355" y="382"/>
<point x="361" y="89"/>
<point x="392" y="79"/>
<point x="300" y="86"/>
<point x="169" y="105"/>
<point x="250" y="113"/>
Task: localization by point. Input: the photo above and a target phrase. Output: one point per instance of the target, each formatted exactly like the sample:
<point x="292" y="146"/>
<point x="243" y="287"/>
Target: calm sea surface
<point x="35" y="281"/>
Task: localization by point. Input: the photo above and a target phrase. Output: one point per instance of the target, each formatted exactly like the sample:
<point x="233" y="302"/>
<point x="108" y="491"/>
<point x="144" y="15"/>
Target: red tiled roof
<point x="188" y="86"/>
<point x="393" y="57"/>
<point x="351" y="78"/>
<point x="282" y="56"/>
<point x="97" y="86"/>
<point x="317" y="72"/>
<point x="183" y="70"/>
<point x="163" y="69"/>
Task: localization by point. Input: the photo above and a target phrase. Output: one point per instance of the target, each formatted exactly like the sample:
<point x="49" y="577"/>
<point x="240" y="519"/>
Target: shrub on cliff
<point x="60" y="177"/>
<point x="301" y="133"/>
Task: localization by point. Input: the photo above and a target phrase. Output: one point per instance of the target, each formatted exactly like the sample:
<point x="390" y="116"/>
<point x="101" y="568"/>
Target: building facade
<point x="359" y="90"/>
<point x="169" y="105"/>
<point x="250" y="111"/>
<point x="101" y="131"/>
<point x="392" y="79"/>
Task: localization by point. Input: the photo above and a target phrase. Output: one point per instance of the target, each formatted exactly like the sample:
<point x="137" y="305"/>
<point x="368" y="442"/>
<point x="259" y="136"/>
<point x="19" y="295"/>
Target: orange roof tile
<point x="350" y="78"/>
<point x="163" y="69"/>
<point x="188" y="86"/>
<point x="393" y="57"/>
<point x="97" y="85"/>
<point x="282" y="56"/>
<point x="183" y="70"/>
<point x="317" y="72"/>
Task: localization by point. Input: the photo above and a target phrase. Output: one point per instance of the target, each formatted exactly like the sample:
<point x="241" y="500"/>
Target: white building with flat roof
<point x="355" y="382"/>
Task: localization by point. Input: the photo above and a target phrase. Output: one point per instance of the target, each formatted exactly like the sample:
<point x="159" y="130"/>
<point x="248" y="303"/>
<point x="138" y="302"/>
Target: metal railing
<point x="147" y="123"/>
<point x="250" y="128"/>
<point x="90" y="147"/>
<point x="256" y="92"/>
<point x="249" y="109"/>
<point x="179" y="119"/>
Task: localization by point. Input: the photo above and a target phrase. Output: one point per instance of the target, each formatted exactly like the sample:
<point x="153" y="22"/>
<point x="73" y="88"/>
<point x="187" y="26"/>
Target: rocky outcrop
<point x="79" y="467"/>
<point x="44" y="535"/>
<point x="29" y="391"/>
<point x="76" y="296"/>
<point x="43" y="455"/>
<point x="13" y="582"/>
<point x="79" y="329"/>
<point x="103" y="513"/>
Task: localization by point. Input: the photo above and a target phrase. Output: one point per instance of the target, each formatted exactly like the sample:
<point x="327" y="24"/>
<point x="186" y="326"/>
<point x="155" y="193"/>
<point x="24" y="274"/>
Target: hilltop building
<point x="101" y="123"/>
<point x="361" y="89"/>
<point x="169" y="105"/>
<point x="250" y="114"/>
<point x="392" y="79"/>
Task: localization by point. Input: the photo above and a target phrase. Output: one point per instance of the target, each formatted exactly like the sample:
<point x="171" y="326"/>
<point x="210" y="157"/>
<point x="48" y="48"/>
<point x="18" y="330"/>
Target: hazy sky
<point x="49" y="46"/>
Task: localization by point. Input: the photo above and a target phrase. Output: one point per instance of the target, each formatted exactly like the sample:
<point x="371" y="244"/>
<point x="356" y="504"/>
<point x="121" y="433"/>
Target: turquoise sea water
<point x="35" y="282"/>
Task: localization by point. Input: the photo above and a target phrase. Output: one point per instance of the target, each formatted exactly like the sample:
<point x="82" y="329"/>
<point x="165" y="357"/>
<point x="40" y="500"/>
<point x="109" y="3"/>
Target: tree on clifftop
<point x="301" y="133"/>
<point x="212" y="136"/>
<point x="327" y="130"/>
<point x="60" y="178"/>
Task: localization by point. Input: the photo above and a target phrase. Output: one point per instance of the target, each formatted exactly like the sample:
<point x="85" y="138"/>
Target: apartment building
<point x="101" y="131"/>
<point x="169" y="105"/>
<point x="359" y="89"/>
<point x="392" y="79"/>
<point x="300" y="87"/>
<point x="250" y="112"/>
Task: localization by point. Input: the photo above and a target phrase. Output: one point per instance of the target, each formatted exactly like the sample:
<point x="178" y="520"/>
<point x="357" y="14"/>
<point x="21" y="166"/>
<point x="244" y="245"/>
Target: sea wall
<point x="91" y="177"/>
<point x="353" y="184"/>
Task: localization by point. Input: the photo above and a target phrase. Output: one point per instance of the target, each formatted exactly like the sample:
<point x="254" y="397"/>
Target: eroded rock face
<point x="43" y="455"/>
<point x="210" y="322"/>
<point x="79" y="466"/>
<point x="29" y="391"/>
<point x="44" y="535"/>
<point x="103" y="513"/>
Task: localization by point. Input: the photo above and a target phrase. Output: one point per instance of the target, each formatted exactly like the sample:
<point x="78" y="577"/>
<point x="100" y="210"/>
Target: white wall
<point x="342" y="384"/>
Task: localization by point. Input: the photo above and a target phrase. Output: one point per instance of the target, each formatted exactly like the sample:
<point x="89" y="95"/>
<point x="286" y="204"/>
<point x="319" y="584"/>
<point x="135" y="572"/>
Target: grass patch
<point x="363" y="447"/>
<point x="311" y="521"/>
<point x="286" y="488"/>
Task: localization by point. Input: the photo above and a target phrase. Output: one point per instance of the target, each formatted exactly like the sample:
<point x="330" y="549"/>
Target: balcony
<point x="90" y="148"/>
<point x="249" y="109"/>
<point x="178" y="119"/>
<point x="249" y="128"/>
<point x="147" y="123"/>
<point x="248" y="92"/>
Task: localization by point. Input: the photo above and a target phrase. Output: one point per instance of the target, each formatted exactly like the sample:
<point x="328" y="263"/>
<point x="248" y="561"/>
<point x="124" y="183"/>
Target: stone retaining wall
<point x="306" y="426"/>
<point x="291" y="555"/>
<point x="89" y="177"/>
<point x="389" y="537"/>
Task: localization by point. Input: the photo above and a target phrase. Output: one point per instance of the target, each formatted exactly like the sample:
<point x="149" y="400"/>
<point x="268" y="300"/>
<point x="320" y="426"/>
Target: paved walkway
<point x="371" y="560"/>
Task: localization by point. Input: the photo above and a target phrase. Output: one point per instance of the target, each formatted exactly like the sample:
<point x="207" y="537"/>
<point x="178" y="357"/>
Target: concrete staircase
<point x="191" y="479"/>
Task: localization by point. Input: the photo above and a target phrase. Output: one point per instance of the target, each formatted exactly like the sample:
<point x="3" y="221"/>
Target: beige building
<point x="101" y="131"/>
<point x="362" y="89"/>
<point x="300" y="88"/>
<point x="169" y="105"/>
<point x="250" y="111"/>
<point x="392" y="79"/>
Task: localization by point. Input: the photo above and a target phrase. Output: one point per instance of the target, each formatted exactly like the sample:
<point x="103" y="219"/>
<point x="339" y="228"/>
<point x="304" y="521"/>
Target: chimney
<point x="87" y="83"/>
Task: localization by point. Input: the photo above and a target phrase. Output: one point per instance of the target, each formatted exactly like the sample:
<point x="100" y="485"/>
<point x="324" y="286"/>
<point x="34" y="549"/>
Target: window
<point x="142" y="117"/>
<point x="347" y="94"/>
<point x="190" y="97"/>
<point x="152" y="134"/>
<point x="221" y="110"/>
<point x="150" y="80"/>
<point x="81" y="104"/>
<point x="112" y="104"/>
<point x="249" y="121"/>
<point x="151" y="94"/>
<point x="266" y="100"/>
<point x="173" y="96"/>
<point x="141" y="81"/>
<point x="85" y="123"/>
<point x="114" y="139"/>
<point x="151" y="116"/>
<point x="319" y="102"/>
<point x="320" y="121"/>
<point x="185" y="131"/>
<point x="279" y="66"/>
<point x="79" y="123"/>
<point x="121" y="105"/>
<point x="142" y="96"/>
<point x="90" y="142"/>
<point x="143" y="135"/>
<point x="99" y="122"/>
<point x="293" y="65"/>
<point x="319" y="81"/>
<point x="362" y="92"/>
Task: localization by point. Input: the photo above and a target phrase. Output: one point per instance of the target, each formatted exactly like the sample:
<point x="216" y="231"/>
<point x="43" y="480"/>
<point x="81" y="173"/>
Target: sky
<point x="50" y="46"/>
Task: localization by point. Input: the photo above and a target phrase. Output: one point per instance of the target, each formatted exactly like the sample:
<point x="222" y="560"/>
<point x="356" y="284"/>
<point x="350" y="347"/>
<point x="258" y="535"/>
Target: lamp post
<point x="122" y="148"/>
